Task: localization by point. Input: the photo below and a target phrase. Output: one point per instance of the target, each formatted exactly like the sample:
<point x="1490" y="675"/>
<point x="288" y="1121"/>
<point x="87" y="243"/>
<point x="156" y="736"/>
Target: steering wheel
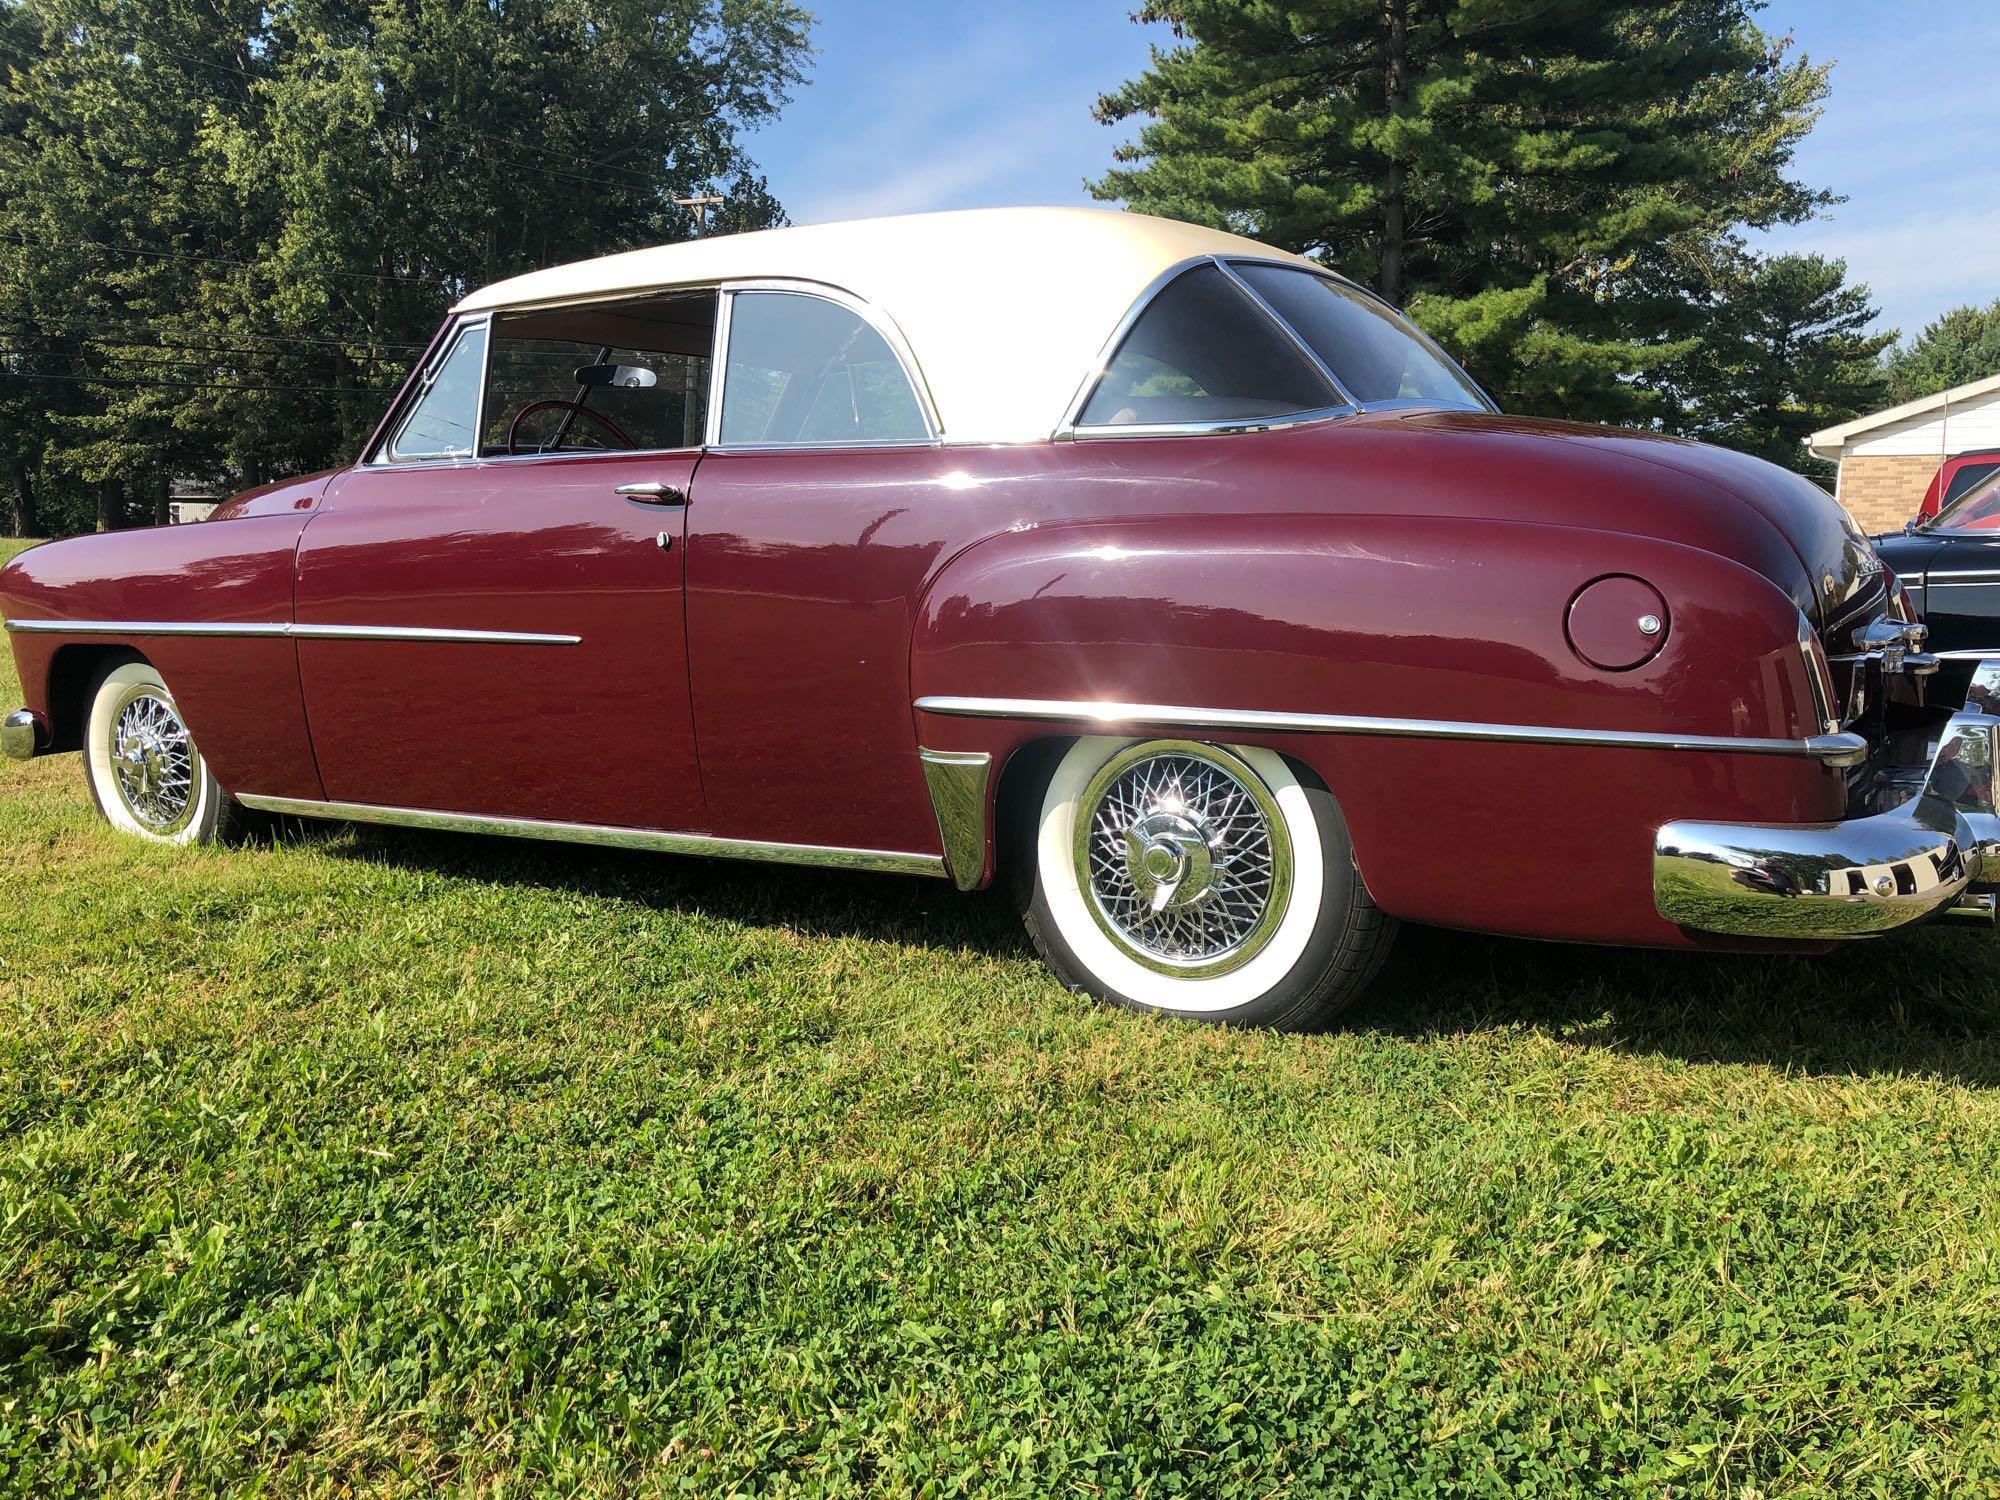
<point x="575" y="408"/>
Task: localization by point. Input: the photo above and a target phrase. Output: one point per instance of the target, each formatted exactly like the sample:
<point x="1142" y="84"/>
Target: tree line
<point x="227" y="228"/>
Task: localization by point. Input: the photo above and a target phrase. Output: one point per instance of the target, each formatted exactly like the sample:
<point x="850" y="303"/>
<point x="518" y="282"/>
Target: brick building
<point x="1887" y="460"/>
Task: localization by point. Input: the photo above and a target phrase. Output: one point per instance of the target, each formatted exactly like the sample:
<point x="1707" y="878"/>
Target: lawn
<point x="370" y="1161"/>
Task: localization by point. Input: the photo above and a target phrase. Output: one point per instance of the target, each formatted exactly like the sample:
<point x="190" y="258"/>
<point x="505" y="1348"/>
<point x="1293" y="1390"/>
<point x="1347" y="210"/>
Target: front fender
<point x="239" y="693"/>
<point x="1402" y="618"/>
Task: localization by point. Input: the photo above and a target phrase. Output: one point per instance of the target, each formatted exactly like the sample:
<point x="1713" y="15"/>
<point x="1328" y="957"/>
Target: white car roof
<point x="1005" y="309"/>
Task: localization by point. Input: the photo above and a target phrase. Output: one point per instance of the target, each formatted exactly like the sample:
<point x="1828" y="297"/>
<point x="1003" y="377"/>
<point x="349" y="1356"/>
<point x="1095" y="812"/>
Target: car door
<point x="500" y="634"/>
<point x="814" y="521"/>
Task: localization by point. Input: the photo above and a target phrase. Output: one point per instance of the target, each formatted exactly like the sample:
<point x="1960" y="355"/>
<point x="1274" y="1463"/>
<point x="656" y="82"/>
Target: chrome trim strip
<point x="281" y="630"/>
<point x="1981" y="579"/>
<point x="657" y="841"/>
<point x="1196" y="429"/>
<point x="1835" y="748"/>
<point x="1966" y="655"/>
<point x="957" y="781"/>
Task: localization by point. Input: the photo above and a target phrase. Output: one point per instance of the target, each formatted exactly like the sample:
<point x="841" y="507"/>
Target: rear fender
<point x="1402" y="618"/>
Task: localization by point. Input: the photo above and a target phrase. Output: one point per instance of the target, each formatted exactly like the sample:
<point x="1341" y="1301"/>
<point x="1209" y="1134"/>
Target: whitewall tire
<point x="145" y="775"/>
<point x="1197" y="880"/>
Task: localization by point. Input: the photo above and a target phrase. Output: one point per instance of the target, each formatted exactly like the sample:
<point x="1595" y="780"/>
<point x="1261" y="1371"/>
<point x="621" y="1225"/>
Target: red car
<point x="1181" y="585"/>
<point x="1954" y="478"/>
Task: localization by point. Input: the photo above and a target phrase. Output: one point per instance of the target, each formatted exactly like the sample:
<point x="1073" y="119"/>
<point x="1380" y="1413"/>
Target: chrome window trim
<point x="397" y="420"/>
<point x="1190" y="429"/>
<point x="1072" y="426"/>
<point x="876" y="318"/>
<point x="284" y="630"/>
<point x="709" y="846"/>
<point x="1834" y="748"/>
<point x="1284" y="325"/>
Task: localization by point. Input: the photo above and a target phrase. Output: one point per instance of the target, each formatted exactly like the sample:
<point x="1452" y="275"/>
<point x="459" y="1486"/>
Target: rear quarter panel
<point x="1408" y="617"/>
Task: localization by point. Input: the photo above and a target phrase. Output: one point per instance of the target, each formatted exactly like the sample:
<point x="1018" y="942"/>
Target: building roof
<point x="1829" y="442"/>
<point x="1005" y="309"/>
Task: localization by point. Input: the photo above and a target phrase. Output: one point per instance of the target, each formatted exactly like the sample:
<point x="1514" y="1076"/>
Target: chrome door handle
<point x="652" y="492"/>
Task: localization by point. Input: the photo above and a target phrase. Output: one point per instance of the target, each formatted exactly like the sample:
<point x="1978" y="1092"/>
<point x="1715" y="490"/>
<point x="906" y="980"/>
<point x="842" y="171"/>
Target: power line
<point x="130" y="348"/>
<point x="219" y="260"/>
<point x="365" y="341"/>
<point x="205" y="385"/>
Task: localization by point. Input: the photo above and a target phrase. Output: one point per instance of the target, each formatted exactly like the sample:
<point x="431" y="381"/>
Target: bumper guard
<point x="21" y="736"/>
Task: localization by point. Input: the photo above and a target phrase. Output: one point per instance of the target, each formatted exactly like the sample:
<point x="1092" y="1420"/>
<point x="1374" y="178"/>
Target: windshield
<point x="1978" y="509"/>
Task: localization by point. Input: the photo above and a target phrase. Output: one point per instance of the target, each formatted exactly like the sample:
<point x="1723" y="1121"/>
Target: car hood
<point x="1686" y="491"/>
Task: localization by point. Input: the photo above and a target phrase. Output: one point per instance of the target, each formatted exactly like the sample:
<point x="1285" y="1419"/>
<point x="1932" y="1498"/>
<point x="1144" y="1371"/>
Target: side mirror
<point x="629" y="377"/>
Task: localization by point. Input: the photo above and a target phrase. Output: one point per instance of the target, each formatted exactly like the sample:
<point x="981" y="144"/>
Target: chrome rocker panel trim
<point x="1835" y="749"/>
<point x="659" y="842"/>
<point x="957" y="781"/>
<point x="1938" y="853"/>
<point x="277" y="629"/>
<point x="21" y="736"/>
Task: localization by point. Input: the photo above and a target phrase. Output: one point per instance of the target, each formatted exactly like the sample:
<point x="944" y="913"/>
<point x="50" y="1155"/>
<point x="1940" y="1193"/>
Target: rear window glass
<point x="1202" y="351"/>
<point x="1370" y="350"/>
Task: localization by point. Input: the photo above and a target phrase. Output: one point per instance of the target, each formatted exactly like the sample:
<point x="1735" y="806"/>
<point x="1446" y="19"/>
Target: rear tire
<point x="146" y="777"/>
<point x="1199" y="881"/>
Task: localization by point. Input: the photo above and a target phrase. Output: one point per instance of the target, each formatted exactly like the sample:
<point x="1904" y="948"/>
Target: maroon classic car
<point x="1175" y="582"/>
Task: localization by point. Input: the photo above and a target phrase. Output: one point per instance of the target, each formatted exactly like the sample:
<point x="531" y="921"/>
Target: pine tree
<point x="1538" y="181"/>
<point x="1786" y="352"/>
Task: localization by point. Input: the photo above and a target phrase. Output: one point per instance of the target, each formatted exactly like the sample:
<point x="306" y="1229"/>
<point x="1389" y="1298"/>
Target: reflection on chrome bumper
<point x="1852" y="879"/>
<point x="21" y="735"/>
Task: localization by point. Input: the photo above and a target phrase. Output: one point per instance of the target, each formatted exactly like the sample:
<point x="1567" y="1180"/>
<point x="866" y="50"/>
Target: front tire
<point x="144" y="773"/>
<point x="1199" y="881"/>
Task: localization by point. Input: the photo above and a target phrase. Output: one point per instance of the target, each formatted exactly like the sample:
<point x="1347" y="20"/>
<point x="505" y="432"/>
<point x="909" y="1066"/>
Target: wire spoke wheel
<point x="153" y="761"/>
<point x="1184" y="857"/>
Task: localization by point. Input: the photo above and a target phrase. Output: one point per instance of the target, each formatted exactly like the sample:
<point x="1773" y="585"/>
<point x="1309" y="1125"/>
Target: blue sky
<point x="922" y="104"/>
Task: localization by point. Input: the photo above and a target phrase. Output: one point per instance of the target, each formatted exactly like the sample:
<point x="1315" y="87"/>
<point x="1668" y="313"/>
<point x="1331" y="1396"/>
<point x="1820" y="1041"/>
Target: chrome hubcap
<point x="1183" y="856"/>
<point x="153" y="762"/>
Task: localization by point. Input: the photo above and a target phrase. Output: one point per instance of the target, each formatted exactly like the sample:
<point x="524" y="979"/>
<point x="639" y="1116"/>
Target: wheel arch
<point x="73" y="674"/>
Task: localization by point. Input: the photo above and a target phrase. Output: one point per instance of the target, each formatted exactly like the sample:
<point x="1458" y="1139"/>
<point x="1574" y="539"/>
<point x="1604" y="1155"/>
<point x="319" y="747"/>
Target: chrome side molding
<point x="658" y="841"/>
<point x="1841" y="749"/>
<point x="280" y="629"/>
<point x="957" y="784"/>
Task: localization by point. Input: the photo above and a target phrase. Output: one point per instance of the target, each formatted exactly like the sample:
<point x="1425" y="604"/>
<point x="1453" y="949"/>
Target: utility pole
<point x="701" y="203"/>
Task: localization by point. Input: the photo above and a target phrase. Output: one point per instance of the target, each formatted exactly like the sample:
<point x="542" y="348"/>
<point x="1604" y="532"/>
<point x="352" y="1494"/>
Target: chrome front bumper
<point x="1938" y="852"/>
<point x="21" y="736"/>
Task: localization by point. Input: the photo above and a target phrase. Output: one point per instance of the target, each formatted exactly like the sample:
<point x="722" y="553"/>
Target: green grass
<point x="399" y="1163"/>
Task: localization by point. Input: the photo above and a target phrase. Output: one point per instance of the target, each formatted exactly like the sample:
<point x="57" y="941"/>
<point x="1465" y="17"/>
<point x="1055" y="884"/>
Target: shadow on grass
<point x="1925" y="1003"/>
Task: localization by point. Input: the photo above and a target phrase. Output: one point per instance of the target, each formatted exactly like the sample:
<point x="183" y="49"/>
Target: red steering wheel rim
<point x="576" y="408"/>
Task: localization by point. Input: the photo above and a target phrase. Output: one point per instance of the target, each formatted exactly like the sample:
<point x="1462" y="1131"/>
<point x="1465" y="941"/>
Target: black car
<point x="1951" y="566"/>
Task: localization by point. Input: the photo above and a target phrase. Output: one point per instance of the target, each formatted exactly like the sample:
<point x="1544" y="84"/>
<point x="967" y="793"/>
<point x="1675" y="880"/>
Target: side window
<point x="1966" y="478"/>
<point x="1202" y="351"/>
<point x="614" y="377"/>
<point x="806" y="370"/>
<point x="440" y="424"/>
<point x="1370" y="350"/>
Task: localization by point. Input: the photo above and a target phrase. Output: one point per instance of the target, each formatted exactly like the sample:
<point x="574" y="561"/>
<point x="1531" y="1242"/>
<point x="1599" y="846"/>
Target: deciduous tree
<point x="1960" y="347"/>
<point x="227" y="226"/>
